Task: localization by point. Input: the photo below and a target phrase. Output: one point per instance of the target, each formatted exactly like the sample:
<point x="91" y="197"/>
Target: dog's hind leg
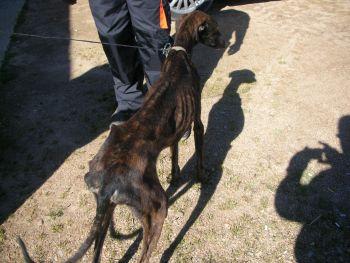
<point x="152" y="211"/>
<point x="175" y="169"/>
<point x="152" y="223"/>
<point x="102" y="233"/>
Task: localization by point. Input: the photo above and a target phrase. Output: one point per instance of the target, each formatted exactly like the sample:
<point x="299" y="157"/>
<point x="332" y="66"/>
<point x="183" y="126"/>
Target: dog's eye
<point x="201" y="28"/>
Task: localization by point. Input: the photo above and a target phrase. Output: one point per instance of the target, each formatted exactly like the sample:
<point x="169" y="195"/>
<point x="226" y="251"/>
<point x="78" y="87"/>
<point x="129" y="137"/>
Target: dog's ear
<point x="179" y="21"/>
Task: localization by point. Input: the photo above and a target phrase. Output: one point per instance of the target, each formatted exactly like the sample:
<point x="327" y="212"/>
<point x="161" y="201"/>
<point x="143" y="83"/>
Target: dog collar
<point x="178" y="48"/>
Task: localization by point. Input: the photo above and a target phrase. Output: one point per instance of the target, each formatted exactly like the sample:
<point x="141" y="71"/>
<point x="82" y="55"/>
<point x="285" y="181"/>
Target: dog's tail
<point x="25" y="253"/>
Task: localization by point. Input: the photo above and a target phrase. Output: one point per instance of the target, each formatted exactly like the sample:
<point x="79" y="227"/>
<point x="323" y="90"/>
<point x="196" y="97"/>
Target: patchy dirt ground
<point x="277" y="116"/>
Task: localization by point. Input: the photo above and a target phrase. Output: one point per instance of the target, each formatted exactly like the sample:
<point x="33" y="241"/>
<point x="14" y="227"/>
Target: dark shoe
<point x="115" y="123"/>
<point x="120" y="117"/>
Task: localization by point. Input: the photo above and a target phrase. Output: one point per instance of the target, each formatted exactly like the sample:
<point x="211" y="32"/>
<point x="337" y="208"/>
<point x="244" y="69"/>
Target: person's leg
<point x="151" y="23"/>
<point x="113" y="23"/>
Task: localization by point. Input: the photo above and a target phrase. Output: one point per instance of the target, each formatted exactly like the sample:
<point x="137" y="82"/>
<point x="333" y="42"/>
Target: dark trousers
<point x="132" y="22"/>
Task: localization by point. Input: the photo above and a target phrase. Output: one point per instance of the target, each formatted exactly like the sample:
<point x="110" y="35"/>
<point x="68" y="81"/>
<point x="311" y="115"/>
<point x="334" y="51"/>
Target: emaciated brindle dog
<point x="124" y="169"/>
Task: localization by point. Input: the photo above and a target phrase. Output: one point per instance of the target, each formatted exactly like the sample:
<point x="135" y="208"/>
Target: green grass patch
<point x="264" y="202"/>
<point x="2" y="235"/>
<point x="228" y="205"/>
<point x="55" y="213"/>
<point x="57" y="228"/>
<point x="236" y="229"/>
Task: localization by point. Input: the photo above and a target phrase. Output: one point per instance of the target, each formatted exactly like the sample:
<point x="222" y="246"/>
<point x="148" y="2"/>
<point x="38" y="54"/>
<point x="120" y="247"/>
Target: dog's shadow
<point x="226" y="121"/>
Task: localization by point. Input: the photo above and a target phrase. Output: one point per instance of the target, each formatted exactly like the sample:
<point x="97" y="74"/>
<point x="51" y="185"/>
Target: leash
<point x="165" y="49"/>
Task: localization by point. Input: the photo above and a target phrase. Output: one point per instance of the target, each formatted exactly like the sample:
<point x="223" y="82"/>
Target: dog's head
<point x="205" y="29"/>
<point x="209" y="34"/>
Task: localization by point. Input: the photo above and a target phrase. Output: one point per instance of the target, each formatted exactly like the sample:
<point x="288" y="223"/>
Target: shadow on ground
<point x="45" y="116"/>
<point x="321" y="202"/>
<point x="226" y="122"/>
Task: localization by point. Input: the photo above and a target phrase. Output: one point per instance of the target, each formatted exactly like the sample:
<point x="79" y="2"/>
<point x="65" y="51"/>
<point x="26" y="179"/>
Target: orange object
<point x="163" y="23"/>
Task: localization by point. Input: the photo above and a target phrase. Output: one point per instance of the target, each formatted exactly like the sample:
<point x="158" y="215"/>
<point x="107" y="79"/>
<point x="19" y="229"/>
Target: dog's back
<point x="168" y="109"/>
<point x="167" y="112"/>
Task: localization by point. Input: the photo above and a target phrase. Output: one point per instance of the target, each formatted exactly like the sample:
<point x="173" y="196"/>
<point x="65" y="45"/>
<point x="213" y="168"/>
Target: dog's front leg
<point x="175" y="169"/>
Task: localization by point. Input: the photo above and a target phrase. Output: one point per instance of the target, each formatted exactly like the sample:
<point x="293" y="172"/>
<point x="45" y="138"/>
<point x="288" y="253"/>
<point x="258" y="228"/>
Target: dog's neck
<point x="186" y="36"/>
<point x="186" y="43"/>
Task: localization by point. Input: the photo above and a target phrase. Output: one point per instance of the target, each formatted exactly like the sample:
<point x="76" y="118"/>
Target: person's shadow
<point x="321" y="202"/>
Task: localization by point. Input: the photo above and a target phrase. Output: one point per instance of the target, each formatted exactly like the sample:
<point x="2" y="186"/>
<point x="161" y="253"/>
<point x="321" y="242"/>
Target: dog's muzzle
<point x="221" y="43"/>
